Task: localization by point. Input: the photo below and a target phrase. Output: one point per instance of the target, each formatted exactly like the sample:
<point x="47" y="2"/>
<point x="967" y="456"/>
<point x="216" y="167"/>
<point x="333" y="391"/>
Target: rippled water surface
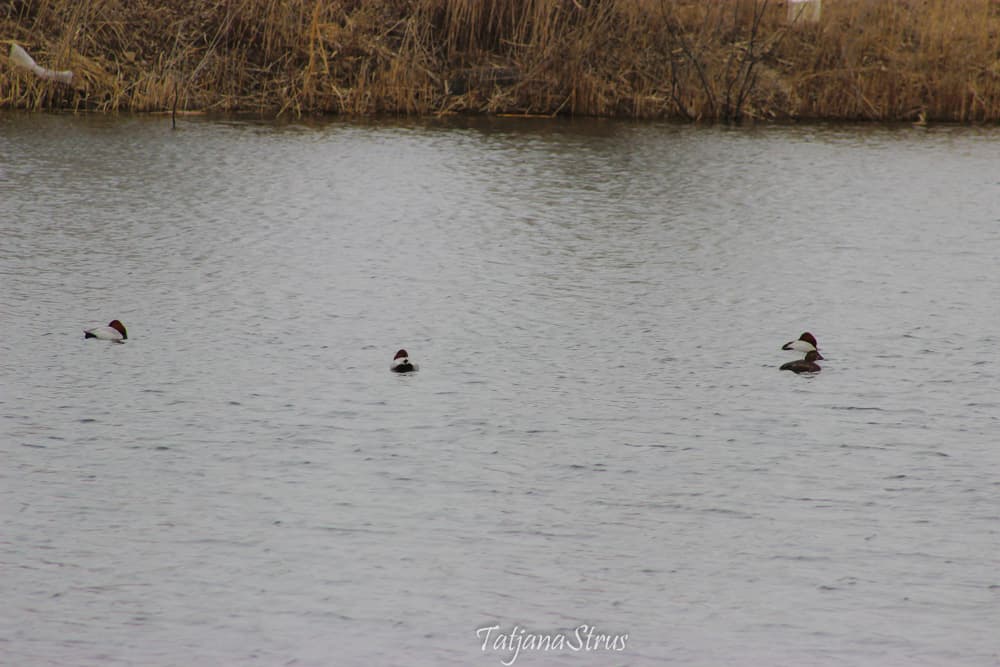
<point x="598" y="436"/>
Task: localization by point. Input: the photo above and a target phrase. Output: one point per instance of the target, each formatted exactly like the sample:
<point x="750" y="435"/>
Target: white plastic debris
<point x="20" y="57"/>
<point x="804" y="11"/>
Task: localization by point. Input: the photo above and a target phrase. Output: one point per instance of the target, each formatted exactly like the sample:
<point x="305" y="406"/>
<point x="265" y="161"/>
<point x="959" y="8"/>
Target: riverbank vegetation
<point x="688" y="59"/>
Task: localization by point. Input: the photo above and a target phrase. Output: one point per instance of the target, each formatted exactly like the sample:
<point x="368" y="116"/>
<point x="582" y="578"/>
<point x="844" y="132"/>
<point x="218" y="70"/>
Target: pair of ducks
<point x="115" y="332"/>
<point x="805" y="343"/>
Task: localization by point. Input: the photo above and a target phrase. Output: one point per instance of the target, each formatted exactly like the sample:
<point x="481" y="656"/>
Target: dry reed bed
<point x="693" y="59"/>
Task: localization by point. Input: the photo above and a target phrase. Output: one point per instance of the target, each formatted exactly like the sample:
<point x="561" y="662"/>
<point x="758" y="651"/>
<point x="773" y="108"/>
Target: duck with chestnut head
<point x="804" y="343"/>
<point x="401" y="363"/>
<point x="115" y="331"/>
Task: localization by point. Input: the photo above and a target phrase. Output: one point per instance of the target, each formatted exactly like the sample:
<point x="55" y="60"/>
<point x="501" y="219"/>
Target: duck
<point x="401" y="363"/>
<point x="807" y="365"/>
<point x="115" y="331"/>
<point x="805" y="343"/>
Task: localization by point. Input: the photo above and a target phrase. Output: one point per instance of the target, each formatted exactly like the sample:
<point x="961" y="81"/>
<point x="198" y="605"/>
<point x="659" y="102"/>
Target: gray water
<point x="599" y="434"/>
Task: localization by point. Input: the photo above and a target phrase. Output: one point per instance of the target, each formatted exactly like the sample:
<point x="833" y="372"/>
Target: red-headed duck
<point x="114" y="331"/>
<point x="805" y="343"/>
<point x="807" y="365"/>
<point x="401" y="363"/>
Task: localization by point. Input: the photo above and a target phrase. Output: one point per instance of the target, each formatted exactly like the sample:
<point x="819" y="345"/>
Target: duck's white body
<point x="799" y="346"/>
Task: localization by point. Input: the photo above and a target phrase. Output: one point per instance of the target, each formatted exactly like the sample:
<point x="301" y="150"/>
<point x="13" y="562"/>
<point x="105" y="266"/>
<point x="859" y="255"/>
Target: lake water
<point x="599" y="434"/>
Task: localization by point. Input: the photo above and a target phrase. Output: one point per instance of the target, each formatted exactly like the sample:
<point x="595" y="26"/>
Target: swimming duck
<point x="805" y="343"/>
<point x="807" y="365"/>
<point x="401" y="363"/>
<point x="114" y="331"/>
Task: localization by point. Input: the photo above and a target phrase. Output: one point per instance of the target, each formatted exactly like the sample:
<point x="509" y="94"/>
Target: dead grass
<point x="693" y="59"/>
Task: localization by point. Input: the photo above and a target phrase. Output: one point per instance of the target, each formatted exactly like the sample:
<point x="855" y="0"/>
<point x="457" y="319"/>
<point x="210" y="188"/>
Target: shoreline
<point x="913" y="61"/>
